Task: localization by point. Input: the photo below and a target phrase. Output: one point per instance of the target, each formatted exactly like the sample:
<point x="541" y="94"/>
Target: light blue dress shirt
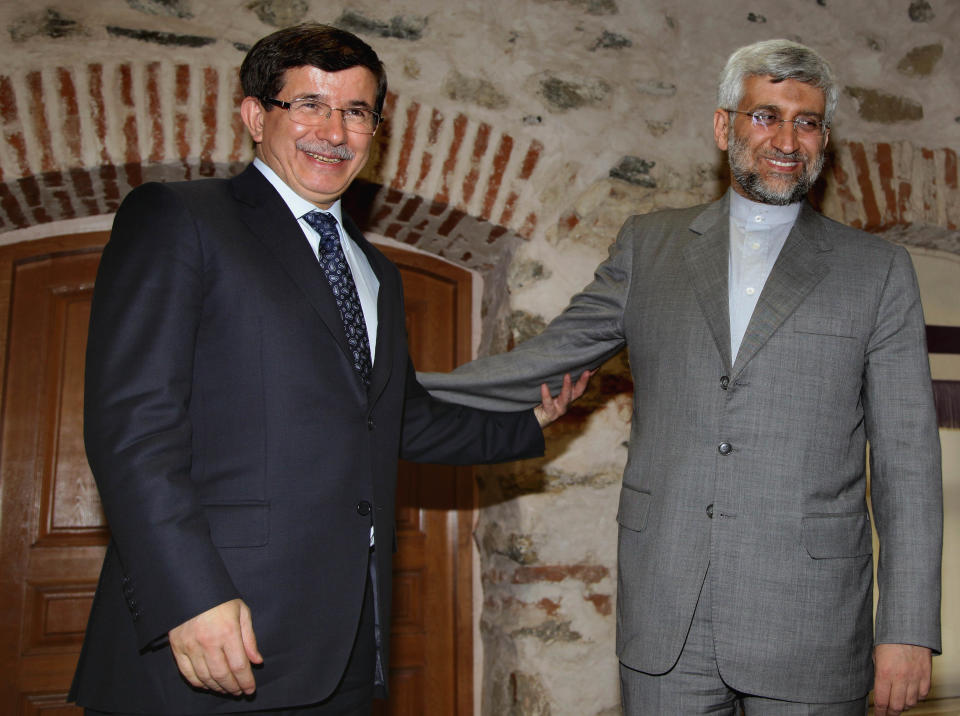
<point x="757" y="233"/>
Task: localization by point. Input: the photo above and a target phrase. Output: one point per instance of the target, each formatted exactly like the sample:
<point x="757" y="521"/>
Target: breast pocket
<point x="837" y="326"/>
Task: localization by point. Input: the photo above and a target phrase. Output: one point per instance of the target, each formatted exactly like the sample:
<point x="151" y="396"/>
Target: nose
<point x="332" y="128"/>
<point x="785" y="137"/>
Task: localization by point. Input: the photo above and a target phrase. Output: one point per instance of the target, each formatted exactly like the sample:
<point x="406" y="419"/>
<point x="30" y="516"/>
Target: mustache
<point x="338" y="151"/>
<point x="798" y="155"/>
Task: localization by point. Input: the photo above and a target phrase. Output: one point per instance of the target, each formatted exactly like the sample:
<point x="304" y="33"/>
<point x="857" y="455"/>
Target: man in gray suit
<point x="767" y="344"/>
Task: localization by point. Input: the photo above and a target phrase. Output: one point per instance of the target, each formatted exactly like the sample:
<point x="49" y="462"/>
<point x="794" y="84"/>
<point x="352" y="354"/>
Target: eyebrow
<point x="357" y="103"/>
<point x="775" y="109"/>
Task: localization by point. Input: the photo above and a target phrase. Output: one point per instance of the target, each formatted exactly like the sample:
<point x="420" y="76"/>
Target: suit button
<point x="710" y="510"/>
<point x="363" y="508"/>
<point x="370" y="424"/>
<point x="725" y="448"/>
<point x="724" y="382"/>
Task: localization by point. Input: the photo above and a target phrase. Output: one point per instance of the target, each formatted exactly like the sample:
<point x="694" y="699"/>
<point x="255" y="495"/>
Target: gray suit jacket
<point x="755" y="464"/>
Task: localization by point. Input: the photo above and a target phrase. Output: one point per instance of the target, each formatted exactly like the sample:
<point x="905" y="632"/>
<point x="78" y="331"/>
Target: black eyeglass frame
<point x="796" y="121"/>
<point x="378" y="118"/>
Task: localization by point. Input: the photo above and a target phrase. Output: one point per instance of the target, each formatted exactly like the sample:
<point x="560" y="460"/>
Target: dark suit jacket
<point x="232" y="443"/>
<point x="754" y="464"/>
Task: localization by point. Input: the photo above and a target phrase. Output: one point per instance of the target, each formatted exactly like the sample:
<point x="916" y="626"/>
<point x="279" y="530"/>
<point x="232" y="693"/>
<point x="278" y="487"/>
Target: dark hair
<point x="310" y="44"/>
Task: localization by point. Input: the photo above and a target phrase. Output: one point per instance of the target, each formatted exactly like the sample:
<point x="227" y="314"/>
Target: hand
<point x="214" y="649"/>
<point x="552" y="408"/>
<point x="902" y="677"/>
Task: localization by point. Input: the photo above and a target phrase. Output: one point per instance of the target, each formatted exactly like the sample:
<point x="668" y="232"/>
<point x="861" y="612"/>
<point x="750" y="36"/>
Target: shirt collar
<point x="756" y="215"/>
<point x="297" y="204"/>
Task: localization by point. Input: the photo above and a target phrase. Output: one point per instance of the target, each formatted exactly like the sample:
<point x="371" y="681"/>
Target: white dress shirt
<point x="757" y="233"/>
<point x="368" y="286"/>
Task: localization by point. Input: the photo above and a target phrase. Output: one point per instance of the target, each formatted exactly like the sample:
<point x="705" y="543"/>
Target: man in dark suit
<point x="246" y="405"/>
<point x="767" y="345"/>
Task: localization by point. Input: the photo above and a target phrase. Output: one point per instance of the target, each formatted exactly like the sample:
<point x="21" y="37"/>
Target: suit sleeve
<point x="906" y="491"/>
<point x="589" y="331"/>
<point x="146" y="312"/>
<point x="437" y="431"/>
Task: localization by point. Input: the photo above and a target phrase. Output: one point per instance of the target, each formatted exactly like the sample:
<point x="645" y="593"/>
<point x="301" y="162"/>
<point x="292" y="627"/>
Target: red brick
<point x="500" y="161"/>
<point x="39" y="117"/>
<point x="495" y="233"/>
<point x="508" y="208"/>
<point x="869" y="202"/>
<point x="11" y="207"/>
<point x="71" y="115"/>
<point x="208" y="114"/>
<point x="529" y="224"/>
<point x="8" y="101"/>
<point x="406" y="146"/>
<point x="480" y="143"/>
<point x="586" y="573"/>
<point x="531" y="159"/>
<point x="409" y="208"/>
<point x="98" y="110"/>
<point x="436" y="121"/>
<point x="950" y="168"/>
<point x="549" y="606"/>
<point x="450" y="223"/>
<point x="885" y="172"/>
<point x="155" y="112"/>
<point x="602" y="603"/>
<point x="459" y="129"/>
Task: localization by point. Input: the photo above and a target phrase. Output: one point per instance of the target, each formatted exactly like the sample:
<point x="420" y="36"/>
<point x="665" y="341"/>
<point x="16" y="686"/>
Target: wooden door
<point x="53" y="534"/>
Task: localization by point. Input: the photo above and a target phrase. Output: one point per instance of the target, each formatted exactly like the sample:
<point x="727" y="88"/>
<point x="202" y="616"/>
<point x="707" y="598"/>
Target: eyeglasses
<point x="311" y="112"/>
<point x="767" y="120"/>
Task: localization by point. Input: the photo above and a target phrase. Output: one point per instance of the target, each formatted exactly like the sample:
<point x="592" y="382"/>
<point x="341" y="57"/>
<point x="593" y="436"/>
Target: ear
<point x="721" y="128"/>
<point x="826" y="138"/>
<point x="252" y="113"/>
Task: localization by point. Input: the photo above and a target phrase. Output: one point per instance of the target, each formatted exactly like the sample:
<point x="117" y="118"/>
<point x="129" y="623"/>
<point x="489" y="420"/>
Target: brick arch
<point x="74" y="140"/>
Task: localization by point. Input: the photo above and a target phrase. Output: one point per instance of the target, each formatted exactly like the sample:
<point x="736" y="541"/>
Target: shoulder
<point x="853" y="244"/>
<point x="673" y="218"/>
<point x="187" y="194"/>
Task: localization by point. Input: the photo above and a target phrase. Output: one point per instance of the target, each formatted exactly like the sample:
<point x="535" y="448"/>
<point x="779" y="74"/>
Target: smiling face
<point x="317" y="162"/>
<point x="776" y="165"/>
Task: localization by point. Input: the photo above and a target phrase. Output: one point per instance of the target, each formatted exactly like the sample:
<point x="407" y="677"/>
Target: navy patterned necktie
<point x="335" y="268"/>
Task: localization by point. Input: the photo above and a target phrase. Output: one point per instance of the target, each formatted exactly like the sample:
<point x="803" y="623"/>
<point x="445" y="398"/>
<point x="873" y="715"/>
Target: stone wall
<point x="521" y="133"/>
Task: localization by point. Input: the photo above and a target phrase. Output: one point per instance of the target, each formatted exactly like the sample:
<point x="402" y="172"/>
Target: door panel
<point x="53" y="533"/>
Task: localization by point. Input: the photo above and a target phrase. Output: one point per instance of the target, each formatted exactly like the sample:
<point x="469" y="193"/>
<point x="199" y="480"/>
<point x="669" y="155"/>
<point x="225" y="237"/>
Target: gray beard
<point x="759" y="190"/>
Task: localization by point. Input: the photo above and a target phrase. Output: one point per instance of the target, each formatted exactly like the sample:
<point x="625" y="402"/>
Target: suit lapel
<point x="706" y="257"/>
<point x="269" y="218"/>
<point x="797" y="270"/>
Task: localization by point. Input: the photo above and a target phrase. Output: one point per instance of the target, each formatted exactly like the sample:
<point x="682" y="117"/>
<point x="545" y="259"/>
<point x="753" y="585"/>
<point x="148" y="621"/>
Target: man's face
<point x="317" y="162"/>
<point x="779" y="164"/>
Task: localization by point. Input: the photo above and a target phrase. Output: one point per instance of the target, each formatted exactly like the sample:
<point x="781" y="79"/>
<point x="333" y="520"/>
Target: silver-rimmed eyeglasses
<point x="312" y="112"/>
<point x="763" y="119"/>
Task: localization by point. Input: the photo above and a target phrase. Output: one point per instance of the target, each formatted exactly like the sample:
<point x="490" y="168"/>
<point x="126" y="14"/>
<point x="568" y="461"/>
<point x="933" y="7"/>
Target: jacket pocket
<point x="243" y="524"/>
<point x="633" y="509"/>
<point x="836" y="536"/>
<point x="825" y="326"/>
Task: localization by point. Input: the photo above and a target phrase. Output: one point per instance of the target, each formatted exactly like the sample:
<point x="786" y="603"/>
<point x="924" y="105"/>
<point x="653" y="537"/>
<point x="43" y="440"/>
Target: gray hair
<point x="782" y="60"/>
